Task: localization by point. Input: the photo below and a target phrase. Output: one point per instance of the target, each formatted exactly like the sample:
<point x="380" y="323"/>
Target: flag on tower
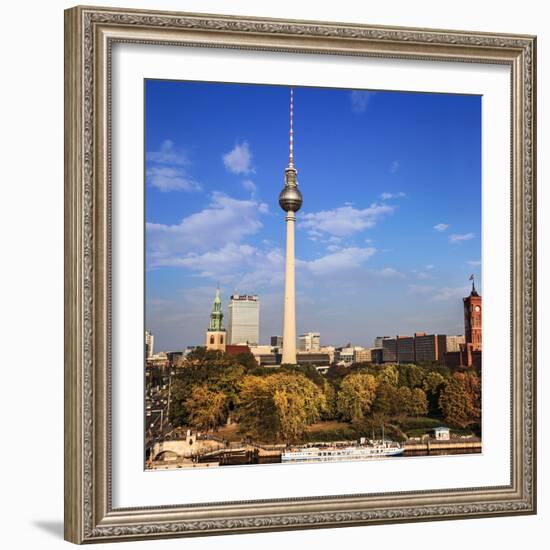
<point x="471" y="277"/>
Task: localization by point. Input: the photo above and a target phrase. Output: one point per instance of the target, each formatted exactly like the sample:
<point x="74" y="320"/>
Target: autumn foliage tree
<point x="460" y="399"/>
<point x="356" y="395"/>
<point x="206" y="409"/>
<point x="278" y="407"/>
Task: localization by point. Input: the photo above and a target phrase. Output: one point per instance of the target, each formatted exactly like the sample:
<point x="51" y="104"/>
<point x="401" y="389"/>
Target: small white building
<point x="442" y="433"/>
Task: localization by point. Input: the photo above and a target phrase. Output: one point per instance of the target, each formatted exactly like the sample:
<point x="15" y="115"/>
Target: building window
<point x="211" y="339"/>
<point x="221" y="339"/>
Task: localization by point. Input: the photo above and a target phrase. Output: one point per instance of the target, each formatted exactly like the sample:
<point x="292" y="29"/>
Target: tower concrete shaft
<point x="289" y="317"/>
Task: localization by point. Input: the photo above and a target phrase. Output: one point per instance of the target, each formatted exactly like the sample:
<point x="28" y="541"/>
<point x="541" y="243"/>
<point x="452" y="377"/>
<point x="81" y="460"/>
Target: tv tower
<point x="290" y="201"/>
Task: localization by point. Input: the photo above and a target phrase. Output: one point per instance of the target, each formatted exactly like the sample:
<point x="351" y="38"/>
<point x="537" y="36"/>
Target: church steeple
<point x="216" y="317"/>
<point x="215" y="335"/>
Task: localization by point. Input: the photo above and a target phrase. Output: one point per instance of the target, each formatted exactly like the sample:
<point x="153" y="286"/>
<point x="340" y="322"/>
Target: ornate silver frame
<point x="89" y="35"/>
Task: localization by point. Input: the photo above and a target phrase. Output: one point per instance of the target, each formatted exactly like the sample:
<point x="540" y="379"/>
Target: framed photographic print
<point x="300" y="274"/>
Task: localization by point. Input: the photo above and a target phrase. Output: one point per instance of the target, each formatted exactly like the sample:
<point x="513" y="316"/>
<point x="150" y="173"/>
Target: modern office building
<point x="149" y="344"/>
<point x="244" y="319"/>
<point x="362" y="355"/>
<point x="405" y="349"/>
<point x="377" y="355"/>
<point x="430" y="348"/>
<point x="378" y="341"/>
<point x="310" y="341"/>
<point x="276" y="341"/>
<point x="316" y="359"/>
<point x="389" y="350"/>
<point x="420" y="348"/>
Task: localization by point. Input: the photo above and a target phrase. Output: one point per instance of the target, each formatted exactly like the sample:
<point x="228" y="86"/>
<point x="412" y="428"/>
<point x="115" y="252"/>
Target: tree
<point x="278" y="407"/>
<point x="388" y="402"/>
<point x="433" y="384"/>
<point x="411" y="376"/>
<point x="460" y="399"/>
<point x="356" y="395"/>
<point x="206" y="408"/>
<point x="418" y="405"/>
<point x="222" y="374"/>
<point x="247" y="360"/>
<point x="389" y="375"/>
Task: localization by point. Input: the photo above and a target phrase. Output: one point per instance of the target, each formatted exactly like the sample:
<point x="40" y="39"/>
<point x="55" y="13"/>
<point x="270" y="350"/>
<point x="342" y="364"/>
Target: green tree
<point x="433" y="384"/>
<point x="356" y="395"/>
<point x="247" y="360"/>
<point x="387" y="403"/>
<point x="411" y="376"/>
<point x="206" y="409"/>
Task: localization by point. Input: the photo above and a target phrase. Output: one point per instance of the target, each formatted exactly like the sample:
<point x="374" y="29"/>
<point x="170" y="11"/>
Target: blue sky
<point x="390" y="227"/>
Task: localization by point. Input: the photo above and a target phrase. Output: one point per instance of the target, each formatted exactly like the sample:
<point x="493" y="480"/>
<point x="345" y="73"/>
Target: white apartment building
<point x="310" y="341"/>
<point x="244" y="319"/>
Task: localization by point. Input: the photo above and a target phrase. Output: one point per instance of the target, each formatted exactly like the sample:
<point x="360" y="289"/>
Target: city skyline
<point x="386" y="239"/>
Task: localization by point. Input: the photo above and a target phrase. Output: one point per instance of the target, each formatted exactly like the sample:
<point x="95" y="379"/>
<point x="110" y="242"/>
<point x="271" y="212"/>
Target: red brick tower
<point x="472" y="318"/>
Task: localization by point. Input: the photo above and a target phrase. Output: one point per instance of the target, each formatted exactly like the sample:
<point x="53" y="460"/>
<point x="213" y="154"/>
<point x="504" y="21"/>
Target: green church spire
<point x="216" y="317"/>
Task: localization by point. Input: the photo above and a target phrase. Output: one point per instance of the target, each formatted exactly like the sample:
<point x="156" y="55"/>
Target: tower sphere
<point x="290" y="199"/>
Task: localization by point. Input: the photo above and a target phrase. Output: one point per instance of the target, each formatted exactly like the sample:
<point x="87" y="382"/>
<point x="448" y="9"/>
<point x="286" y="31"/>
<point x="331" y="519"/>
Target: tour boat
<point x="372" y="449"/>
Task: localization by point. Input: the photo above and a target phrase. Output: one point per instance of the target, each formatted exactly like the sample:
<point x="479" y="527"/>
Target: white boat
<point x="361" y="451"/>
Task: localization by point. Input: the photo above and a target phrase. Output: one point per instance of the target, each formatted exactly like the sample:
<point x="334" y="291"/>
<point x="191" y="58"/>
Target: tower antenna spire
<point x="291" y="141"/>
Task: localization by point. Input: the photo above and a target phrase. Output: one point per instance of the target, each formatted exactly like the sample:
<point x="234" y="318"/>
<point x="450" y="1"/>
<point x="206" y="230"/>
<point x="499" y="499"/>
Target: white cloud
<point x="457" y="239"/>
<point x="389" y="273"/>
<point x="449" y="293"/>
<point x="239" y="159"/>
<point x="166" y="178"/>
<point x="342" y="260"/>
<point x="167" y="154"/>
<point x="345" y="220"/>
<point x="441" y="294"/>
<point x="394" y="167"/>
<point x="441" y="227"/>
<point x="474" y="263"/>
<point x="250" y="186"/>
<point x="165" y="169"/>
<point x="386" y="196"/>
<point x="333" y="247"/>
<point x="360" y="100"/>
<point x="219" y="263"/>
<point x="225" y="220"/>
<point x="421" y="289"/>
<point x="429" y="266"/>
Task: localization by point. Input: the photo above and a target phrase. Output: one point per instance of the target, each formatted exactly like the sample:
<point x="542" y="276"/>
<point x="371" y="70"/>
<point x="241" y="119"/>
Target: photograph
<point x="313" y="274"/>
